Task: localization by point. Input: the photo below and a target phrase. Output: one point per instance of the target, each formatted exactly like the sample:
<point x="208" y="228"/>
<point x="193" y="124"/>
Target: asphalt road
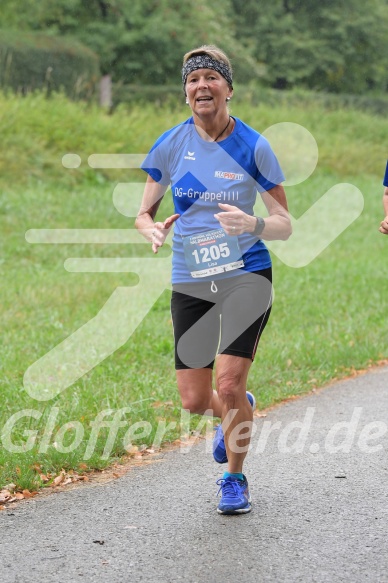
<point x="320" y="507"/>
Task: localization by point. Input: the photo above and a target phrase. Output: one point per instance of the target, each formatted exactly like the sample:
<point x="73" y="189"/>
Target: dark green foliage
<point x="337" y="46"/>
<point x="157" y="94"/>
<point x="138" y="41"/>
<point x="30" y="61"/>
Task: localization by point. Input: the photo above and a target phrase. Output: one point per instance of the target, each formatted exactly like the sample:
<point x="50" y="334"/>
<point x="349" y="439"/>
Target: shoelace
<point x="228" y="487"/>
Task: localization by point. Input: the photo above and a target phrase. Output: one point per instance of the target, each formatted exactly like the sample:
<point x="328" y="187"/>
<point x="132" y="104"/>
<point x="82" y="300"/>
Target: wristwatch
<point x="260" y="224"/>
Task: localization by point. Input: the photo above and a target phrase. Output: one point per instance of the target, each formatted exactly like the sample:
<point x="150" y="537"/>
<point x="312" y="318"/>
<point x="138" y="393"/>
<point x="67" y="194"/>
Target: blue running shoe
<point x="235" y="497"/>
<point x="219" y="449"/>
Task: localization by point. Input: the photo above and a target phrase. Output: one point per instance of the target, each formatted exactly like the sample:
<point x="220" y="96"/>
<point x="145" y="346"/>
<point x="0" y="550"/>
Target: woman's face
<point x="207" y="91"/>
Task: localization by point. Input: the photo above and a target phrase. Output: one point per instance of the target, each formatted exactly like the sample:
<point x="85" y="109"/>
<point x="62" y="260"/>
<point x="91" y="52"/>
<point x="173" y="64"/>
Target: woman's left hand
<point x="234" y="221"/>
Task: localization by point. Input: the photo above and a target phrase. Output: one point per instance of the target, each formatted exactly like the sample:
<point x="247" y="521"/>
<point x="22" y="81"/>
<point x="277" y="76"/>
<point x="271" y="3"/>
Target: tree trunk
<point x="106" y="91"/>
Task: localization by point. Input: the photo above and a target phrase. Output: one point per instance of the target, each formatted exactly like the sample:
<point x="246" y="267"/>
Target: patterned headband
<point x="206" y="62"/>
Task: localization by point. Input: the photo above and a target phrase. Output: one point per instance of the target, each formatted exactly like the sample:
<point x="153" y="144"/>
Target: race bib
<point x="211" y="252"/>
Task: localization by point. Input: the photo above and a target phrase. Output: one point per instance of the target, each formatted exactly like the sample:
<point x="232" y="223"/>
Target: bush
<point x="254" y="95"/>
<point x="30" y="61"/>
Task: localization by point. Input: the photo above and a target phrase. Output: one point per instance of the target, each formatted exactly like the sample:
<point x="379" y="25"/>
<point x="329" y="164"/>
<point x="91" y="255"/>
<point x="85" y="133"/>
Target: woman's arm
<point x="277" y="226"/>
<point x="155" y="233"/>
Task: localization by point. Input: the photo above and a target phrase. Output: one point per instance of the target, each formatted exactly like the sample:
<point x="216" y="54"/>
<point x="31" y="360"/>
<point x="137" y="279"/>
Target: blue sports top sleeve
<point x="156" y="163"/>
<point x="270" y="174"/>
<point x="385" y="181"/>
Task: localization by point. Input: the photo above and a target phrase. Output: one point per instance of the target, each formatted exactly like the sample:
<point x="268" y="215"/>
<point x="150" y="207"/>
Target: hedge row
<point x="254" y="95"/>
<point x="30" y="61"/>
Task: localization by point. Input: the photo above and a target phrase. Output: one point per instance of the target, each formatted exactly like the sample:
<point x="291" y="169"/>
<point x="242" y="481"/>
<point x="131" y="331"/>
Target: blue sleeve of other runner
<point x="385" y="181"/>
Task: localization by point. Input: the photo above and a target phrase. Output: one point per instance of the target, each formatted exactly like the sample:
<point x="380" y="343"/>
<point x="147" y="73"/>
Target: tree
<point x="334" y="45"/>
<point x="138" y="41"/>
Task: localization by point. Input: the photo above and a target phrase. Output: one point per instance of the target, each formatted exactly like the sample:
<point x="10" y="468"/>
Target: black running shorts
<point x="226" y="316"/>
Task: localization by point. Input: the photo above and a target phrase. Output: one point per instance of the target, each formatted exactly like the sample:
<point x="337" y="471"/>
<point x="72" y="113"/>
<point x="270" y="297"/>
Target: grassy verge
<point x="328" y="317"/>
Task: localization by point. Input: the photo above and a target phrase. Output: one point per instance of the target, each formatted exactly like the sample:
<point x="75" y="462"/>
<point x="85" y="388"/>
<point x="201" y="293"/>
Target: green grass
<point x="328" y="317"/>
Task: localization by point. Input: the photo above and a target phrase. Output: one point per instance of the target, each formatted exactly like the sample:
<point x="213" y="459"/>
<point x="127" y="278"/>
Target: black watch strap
<point x="260" y="224"/>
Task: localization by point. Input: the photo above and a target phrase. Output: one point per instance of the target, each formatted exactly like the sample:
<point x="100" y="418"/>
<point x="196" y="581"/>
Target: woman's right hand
<point x="161" y="230"/>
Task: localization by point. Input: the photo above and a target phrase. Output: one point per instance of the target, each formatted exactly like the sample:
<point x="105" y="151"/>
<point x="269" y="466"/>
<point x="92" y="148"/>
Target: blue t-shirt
<point x="203" y="174"/>
<point x="385" y="181"/>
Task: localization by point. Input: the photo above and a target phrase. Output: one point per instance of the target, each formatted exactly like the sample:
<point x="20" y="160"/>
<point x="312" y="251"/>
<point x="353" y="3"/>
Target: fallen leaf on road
<point x="5" y="494"/>
<point x="59" y="479"/>
<point x="27" y="494"/>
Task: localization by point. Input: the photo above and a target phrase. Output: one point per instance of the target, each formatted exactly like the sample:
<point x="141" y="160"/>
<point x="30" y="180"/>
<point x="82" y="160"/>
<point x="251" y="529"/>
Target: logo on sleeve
<point x="228" y="175"/>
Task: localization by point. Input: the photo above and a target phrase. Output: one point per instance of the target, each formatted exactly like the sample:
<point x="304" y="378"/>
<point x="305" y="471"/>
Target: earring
<point x="187" y="102"/>
<point x="228" y="99"/>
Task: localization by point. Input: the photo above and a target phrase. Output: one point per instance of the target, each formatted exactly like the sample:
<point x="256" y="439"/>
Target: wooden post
<point x="106" y="91"/>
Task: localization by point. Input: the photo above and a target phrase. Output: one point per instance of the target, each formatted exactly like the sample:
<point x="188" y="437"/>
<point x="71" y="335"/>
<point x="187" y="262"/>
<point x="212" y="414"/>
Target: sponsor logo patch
<point x="228" y="175"/>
